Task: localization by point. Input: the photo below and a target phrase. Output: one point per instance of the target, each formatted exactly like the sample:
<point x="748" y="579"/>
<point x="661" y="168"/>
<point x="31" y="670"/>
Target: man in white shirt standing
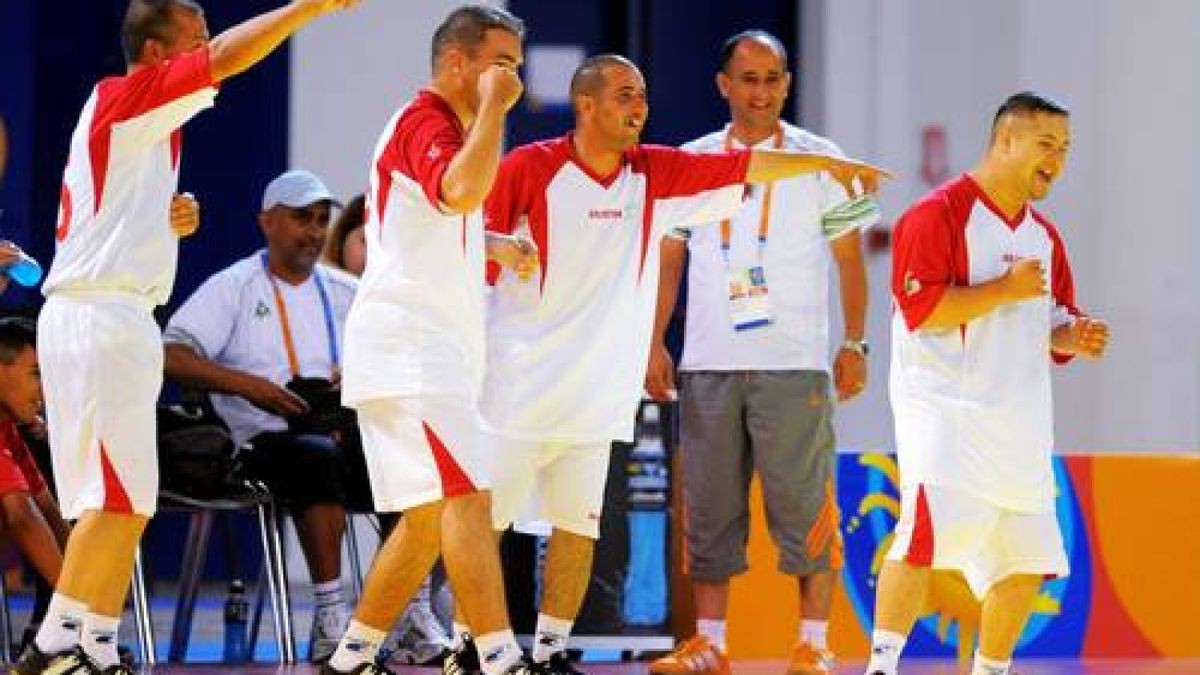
<point x="415" y="340"/>
<point x="248" y="335"/>
<point x="567" y="350"/>
<point x="984" y="303"/>
<point x="99" y="348"/>
<point x="755" y="386"/>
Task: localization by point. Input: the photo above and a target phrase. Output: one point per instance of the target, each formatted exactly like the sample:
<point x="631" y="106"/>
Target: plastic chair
<point x="249" y="495"/>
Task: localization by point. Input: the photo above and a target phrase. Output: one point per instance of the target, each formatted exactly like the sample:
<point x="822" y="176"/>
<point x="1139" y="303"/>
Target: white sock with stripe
<point x="99" y="638"/>
<point x="986" y="666"/>
<point x="360" y="644"/>
<point x="550" y="637"/>
<point x="714" y="630"/>
<point x="498" y="651"/>
<point x="60" y="629"/>
<point x="885" y="652"/>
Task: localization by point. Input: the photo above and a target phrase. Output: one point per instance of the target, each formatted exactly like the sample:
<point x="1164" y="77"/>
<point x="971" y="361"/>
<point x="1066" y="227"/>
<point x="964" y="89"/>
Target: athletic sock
<point x="550" y="637"/>
<point x="360" y="644"/>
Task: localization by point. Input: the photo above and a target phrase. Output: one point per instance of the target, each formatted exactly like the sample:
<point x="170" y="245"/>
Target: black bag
<point x="325" y="414"/>
<point x="196" y="456"/>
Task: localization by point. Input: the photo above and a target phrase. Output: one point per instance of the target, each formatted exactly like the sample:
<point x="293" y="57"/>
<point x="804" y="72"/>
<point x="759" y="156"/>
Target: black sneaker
<point x="462" y="661"/>
<point x="364" y="668"/>
<point x="559" y="664"/>
<point x="71" y="661"/>
<point x="526" y="666"/>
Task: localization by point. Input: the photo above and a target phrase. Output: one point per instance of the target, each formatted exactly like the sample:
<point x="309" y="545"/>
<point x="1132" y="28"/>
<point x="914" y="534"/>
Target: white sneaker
<point x="327" y="629"/>
<point x="418" y="638"/>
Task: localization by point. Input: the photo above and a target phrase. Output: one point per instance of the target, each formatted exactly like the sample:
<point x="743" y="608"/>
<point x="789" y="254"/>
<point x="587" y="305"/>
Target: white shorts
<point x="946" y="528"/>
<point x="101" y="358"/>
<point x="422" y="450"/>
<point x="560" y="484"/>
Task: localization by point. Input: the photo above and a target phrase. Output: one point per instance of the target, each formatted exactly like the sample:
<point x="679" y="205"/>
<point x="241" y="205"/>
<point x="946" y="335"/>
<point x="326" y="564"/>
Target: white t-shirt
<point x="113" y="228"/>
<point x="567" y="349"/>
<point x="233" y="319"/>
<point x="796" y="262"/>
<point x="416" y="327"/>
<point x="972" y="404"/>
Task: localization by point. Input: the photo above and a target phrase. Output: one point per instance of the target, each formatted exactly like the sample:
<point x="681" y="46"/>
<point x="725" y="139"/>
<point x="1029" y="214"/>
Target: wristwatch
<point x="859" y="346"/>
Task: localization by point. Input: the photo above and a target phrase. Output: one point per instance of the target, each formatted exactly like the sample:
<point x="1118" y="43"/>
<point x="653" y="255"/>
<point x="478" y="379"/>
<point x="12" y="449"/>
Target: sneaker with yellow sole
<point x="695" y="656"/>
<point x="808" y="660"/>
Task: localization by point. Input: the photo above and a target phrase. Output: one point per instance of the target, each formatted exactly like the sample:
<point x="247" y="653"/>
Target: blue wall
<point x="52" y="58"/>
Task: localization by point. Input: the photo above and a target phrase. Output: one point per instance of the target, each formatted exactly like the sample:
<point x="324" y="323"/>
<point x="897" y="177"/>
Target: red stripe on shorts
<point x="116" y="500"/>
<point x="920" y="546"/>
<point x="455" y="481"/>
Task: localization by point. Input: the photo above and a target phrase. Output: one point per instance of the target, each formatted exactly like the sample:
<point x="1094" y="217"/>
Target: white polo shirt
<point x="416" y="327"/>
<point x="233" y="319"/>
<point x="567" y="350"/>
<point x="113" y="229"/>
<point x="796" y="263"/>
<point x="972" y="404"/>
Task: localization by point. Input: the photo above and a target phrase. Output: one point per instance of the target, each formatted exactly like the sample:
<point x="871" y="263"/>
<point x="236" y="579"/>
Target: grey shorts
<point x="777" y="424"/>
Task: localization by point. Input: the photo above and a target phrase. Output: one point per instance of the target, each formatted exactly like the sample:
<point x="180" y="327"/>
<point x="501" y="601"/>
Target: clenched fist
<point x="500" y="86"/>
<point x="185" y="214"/>
<point x="1026" y="279"/>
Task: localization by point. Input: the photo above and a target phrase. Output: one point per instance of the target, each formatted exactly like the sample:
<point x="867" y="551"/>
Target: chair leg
<point x="260" y="601"/>
<point x="6" y="641"/>
<point x="194" y="553"/>
<point x="356" y="572"/>
<point x="277" y="583"/>
<point x="141" y="612"/>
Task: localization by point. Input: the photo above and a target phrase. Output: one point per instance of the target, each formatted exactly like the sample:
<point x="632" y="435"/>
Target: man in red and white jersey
<point x="983" y="302"/>
<point x="414" y="338"/>
<point x="567" y="350"/>
<point x="99" y="347"/>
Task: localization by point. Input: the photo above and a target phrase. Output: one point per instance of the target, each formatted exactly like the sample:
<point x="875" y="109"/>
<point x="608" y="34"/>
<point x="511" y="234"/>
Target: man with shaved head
<point x="755" y="389"/>
<point x="984" y="302"/>
<point x="567" y="349"/>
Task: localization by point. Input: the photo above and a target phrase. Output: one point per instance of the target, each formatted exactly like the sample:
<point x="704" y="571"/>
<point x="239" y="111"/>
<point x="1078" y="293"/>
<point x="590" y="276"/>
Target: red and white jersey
<point x="113" y="229"/>
<point x="567" y="349"/>
<point x="416" y="326"/>
<point x="972" y="404"/>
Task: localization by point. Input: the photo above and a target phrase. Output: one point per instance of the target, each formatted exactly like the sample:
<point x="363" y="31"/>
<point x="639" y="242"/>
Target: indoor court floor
<point x="910" y="667"/>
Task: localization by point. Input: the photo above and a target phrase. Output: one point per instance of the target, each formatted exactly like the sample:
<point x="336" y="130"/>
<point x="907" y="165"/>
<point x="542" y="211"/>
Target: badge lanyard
<point x="764" y="221"/>
<point x="288" y="343"/>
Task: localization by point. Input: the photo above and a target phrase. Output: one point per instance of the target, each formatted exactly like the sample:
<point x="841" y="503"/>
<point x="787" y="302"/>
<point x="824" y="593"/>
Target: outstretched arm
<point x="249" y="42"/>
<point x="771" y="165"/>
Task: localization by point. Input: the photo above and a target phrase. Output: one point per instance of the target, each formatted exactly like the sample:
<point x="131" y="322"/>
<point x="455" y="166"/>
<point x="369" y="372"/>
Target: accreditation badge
<point x="749" y="303"/>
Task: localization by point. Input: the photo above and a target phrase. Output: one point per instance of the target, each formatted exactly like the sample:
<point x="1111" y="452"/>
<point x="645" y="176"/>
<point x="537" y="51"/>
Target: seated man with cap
<point x="264" y="337"/>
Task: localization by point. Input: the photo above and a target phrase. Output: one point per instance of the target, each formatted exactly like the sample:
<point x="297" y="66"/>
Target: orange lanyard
<point x="764" y="220"/>
<point x="289" y="344"/>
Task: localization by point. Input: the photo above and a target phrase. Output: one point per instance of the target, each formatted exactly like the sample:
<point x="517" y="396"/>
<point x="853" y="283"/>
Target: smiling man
<point x="984" y="302"/>
<point x="567" y="350"/>
<point x="755" y="387"/>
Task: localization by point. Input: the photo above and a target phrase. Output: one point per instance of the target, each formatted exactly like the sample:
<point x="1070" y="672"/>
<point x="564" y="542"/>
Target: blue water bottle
<point x="649" y="482"/>
<point x="237" y="611"/>
<point x="25" y="271"/>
